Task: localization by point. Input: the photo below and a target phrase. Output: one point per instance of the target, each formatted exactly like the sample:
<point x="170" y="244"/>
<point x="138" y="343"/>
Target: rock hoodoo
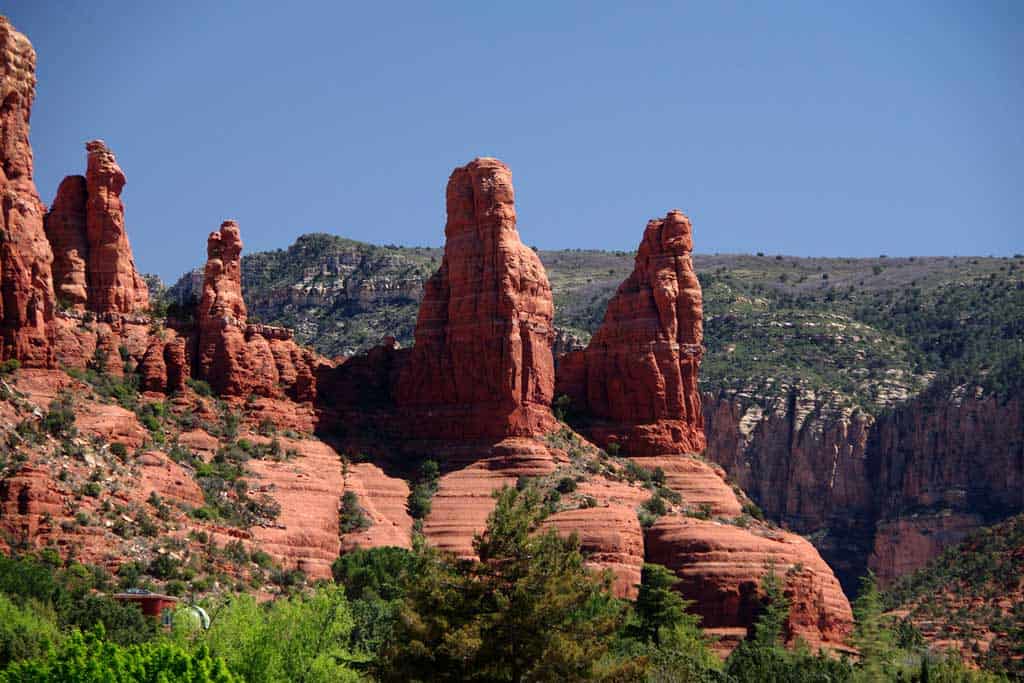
<point x="223" y="358"/>
<point x="637" y="378"/>
<point x="93" y="263"/>
<point x="482" y="366"/>
<point x="26" y="291"/>
<point x="236" y="358"/>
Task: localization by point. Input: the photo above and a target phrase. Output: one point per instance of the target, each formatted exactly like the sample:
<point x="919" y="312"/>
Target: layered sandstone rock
<point x="611" y="538"/>
<point x="720" y="567"/>
<point x="26" y="285"/>
<point x="637" y="379"/>
<point x="481" y="366"/>
<point x="465" y="499"/>
<point x="308" y="488"/>
<point x="93" y="263"/>
<point x="383" y="500"/>
<point x="701" y="485"/>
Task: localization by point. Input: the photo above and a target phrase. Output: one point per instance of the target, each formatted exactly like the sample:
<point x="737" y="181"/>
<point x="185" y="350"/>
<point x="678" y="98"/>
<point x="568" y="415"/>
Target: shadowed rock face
<point x="481" y="366"/>
<point x="26" y="292"/>
<point x="65" y="228"/>
<point x="638" y="376"/>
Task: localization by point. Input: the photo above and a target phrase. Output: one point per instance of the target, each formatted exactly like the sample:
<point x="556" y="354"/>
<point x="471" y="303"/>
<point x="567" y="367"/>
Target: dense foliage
<point x="527" y="610"/>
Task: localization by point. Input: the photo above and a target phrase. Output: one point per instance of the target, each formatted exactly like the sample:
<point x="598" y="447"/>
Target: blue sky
<point x="802" y="128"/>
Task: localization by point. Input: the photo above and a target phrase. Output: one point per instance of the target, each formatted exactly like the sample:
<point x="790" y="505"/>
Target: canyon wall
<point x="886" y="492"/>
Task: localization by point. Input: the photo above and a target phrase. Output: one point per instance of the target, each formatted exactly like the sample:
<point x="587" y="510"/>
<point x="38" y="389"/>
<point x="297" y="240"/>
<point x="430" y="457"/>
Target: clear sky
<point x="802" y="128"/>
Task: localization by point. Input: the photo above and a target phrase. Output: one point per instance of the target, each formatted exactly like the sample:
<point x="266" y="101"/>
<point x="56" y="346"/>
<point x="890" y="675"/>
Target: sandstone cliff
<point x="886" y="492"/>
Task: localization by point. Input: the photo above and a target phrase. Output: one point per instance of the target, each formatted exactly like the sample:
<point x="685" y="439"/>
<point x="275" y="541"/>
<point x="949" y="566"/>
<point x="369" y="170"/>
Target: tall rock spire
<point x="26" y="285"/>
<point x="482" y="366"/>
<point x="637" y="379"/>
<point x="114" y="284"/>
<point x="93" y="265"/>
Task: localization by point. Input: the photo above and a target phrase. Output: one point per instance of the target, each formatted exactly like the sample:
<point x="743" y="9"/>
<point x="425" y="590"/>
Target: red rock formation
<point x="638" y="376"/>
<point x="464" y="498"/>
<point x="702" y="486"/>
<point x="93" y="263"/>
<point x="225" y="359"/>
<point x="720" y="567"/>
<point x="153" y="368"/>
<point x="481" y="366"/>
<point x="65" y="228"/>
<point x="114" y="284"/>
<point x="176" y="362"/>
<point x="26" y="285"/>
<point x="886" y="492"/>
<point x="305" y="535"/>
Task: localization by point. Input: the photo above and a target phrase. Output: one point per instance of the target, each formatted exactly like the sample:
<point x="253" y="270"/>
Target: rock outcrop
<point x="93" y="263"/>
<point x="481" y="366"/>
<point x="26" y="284"/>
<point x="720" y="567"/>
<point x="637" y="379"/>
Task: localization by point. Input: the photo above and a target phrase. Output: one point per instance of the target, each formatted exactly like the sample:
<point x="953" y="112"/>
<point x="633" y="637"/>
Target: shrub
<point x="351" y="516"/>
<point x="566" y="485"/>
<point x="199" y="386"/>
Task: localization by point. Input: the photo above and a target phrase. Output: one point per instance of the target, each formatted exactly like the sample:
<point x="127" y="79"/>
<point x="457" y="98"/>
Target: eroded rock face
<point x="26" y="284"/>
<point x="93" y="263"/>
<point x="114" y="284"/>
<point x="720" y="567"/>
<point x="224" y="358"/>
<point x="638" y="376"/>
<point x="481" y="366"/>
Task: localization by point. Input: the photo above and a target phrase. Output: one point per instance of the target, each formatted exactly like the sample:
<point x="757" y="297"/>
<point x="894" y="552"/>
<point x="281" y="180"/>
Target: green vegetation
<point x="971" y="592"/>
<point x="90" y="657"/>
<point x="526" y="610"/>
<point x="423" y="490"/>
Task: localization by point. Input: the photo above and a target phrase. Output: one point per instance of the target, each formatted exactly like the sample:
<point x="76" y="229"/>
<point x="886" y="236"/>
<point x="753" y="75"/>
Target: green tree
<point x="26" y="632"/>
<point x="527" y="610"/>
<point x="769" y="629"/>
<point x="871" y="634"/>
<point x="301" y="639"/>
<point x="657" y="605"/>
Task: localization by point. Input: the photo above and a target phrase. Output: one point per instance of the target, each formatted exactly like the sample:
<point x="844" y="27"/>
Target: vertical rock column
<point x="114" y="284"/>
<point x="481" y="366"/>
<point x="637" y="379"/>
<point x="26" y="285"/>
